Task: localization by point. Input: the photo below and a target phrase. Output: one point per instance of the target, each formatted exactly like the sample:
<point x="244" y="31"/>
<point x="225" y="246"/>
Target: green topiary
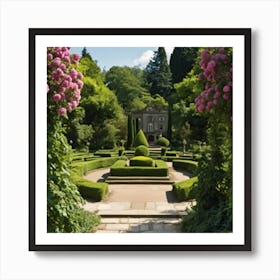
<point x="141" y="161"/>
<point x="140" y="139"/>
<point x="142" y="151"/>
<point x="162" y="141"/>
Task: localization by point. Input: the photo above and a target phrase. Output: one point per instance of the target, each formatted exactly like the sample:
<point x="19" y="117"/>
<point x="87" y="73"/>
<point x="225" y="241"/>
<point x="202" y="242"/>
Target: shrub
<point x="119" y="168"/>
<point x="162" y="141"/>
<point x="171" y="154"/>
<point x="82" y="168"/>
<point x="163" y="152"/>
<point x="142" y="151"/>
<point x="141" y="161"/>
<point x="140" y="139"/>
<point x="121" y="151"/>
<point x="188" y="165"/>
<point x="185" y="190"/>
<point x="89" y="189"/>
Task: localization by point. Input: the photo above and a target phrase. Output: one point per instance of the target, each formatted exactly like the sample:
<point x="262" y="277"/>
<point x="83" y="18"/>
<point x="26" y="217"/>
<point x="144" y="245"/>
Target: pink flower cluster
<point x="64" y="81"/>
<point x="217" y="78"/>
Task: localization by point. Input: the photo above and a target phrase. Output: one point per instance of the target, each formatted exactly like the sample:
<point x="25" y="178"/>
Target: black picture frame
<point x="34" y="33"/>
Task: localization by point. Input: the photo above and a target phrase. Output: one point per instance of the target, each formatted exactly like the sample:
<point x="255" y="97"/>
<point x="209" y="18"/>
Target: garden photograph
<point x="139" y="139"/>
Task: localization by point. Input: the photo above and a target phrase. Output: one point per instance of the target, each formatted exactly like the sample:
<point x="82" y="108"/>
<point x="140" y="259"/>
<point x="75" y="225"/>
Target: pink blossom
<point x="211" y="65"/>
<point x="69" y="107"/>
<point x="217" y="95"/>
<point x="56" y="62"/>
<point x="57" y="97"/>
<point x="226" y="89"/>
<point x="74" y="104"/>
<point x="226" y="97"/>
<point x="62" y="111"/>
<point x="80" y="75"/>
<point x="73" y="73"/>
<point x="200" y="108"/>
<point x="50" y="56"/>
<point x="48" y="88"/>
<point x="80" y="84"/>
<point x="63" y="67"/>
<point x="215" y="102"/>
<point x="205" y="55"/>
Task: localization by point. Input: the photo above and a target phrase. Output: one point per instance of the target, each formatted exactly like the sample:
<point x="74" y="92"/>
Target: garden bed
<point x="120" y="168"/>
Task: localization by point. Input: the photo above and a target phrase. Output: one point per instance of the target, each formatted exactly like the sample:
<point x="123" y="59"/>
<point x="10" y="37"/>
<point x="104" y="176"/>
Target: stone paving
<point x="139" y="208"/>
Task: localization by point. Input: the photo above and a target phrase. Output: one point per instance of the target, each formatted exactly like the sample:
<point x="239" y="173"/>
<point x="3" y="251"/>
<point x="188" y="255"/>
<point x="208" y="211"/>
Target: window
<point x="161" y="119"/>
<point x="150" y="127"/>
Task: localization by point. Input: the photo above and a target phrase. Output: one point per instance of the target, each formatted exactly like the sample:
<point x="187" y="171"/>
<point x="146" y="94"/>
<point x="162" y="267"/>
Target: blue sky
<point x="120" y="56"/>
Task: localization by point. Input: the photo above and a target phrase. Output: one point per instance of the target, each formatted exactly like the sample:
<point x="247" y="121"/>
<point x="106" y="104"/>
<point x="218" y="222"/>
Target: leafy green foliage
<point x="127" y="83"/>
<point x="181" y="62"/>
<point x="162" y="141"/>
<point x="141" y="151"/>
<point x="185" y="190"/>
<point x="158" y="75"/>
<point x="140" y="139"/>
<point x="141" y="161"/>
<point x="63" y="198"/>
<point x="102" y="110"/>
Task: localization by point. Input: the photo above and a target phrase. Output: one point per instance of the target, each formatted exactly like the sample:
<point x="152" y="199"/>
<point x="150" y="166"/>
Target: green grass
<point x="185" y="190"/>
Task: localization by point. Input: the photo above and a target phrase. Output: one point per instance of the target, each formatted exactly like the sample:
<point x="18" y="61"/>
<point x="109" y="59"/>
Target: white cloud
<point x="169" y="50"/>
<point x="144" y="59"/>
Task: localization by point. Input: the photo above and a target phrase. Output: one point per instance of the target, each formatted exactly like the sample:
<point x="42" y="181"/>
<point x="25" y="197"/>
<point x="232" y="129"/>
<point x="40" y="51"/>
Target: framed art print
<point x="140" y="139"/>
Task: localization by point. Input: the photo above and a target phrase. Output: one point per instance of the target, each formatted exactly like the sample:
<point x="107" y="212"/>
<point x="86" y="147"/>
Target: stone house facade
<point x="153" y="122"/>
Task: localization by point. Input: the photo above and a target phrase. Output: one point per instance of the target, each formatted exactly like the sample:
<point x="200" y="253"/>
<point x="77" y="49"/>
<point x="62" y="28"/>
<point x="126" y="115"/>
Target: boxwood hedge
<point x="185" y="190"/>
<point x="141" y="161"/>
<point x="81" y="168"/>
<point x="120" y="168"/>
<point x="89" y="189"/>
<point x="188" y="165"/>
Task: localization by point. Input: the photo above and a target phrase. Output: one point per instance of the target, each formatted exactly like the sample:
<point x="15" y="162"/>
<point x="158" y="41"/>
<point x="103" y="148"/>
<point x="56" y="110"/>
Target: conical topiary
<point x="140" y="139"/>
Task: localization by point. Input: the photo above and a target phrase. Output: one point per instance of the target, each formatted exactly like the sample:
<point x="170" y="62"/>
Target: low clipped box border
<point x="188" y="165"/>
<point x="142" y="161"/>
<point x="120" y="168"/>
<point x="185" y="190"/>
<point x="83" y="168"/>
<point x="89" y="189"/>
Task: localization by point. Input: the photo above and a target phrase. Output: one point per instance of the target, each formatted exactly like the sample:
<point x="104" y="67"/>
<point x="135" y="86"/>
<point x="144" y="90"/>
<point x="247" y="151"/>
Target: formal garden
<point x="93" y="124"/>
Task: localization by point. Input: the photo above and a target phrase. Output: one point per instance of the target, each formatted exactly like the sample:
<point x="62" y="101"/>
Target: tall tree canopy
<point x="181" y="62"/>
<point x="158" y="75"/>
<point x="127" y="83"/>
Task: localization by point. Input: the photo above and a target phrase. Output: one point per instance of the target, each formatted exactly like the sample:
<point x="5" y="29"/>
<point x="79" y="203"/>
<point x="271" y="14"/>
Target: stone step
<point x="139" y="181"/>
<point x="140" y="224"/>
<point x="141" y="213"/>
<point x="163" y="178"/>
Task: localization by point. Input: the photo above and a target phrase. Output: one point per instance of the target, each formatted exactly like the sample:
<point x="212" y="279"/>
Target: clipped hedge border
<point x="89" y="189"/>
<point x="185" y="190"/>
<point x="120" y="169"/>
<point x="82" y="168"/>
<point x="188" y="165"/>
<point x="142" y="161"/>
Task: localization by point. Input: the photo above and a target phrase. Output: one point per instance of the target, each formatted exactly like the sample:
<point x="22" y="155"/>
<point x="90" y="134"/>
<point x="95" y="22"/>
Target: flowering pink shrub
<point x="64" y="81"/>
<point x="216" y="75"/>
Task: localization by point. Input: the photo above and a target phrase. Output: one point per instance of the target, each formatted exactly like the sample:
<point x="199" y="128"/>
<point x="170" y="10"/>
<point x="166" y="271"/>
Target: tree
<point x="127" y="83"/>
<point x="158" y="75"/>
<point x="64" y="212"/>
<point x="213" y="212"/>
<point x="181" y="62"/>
